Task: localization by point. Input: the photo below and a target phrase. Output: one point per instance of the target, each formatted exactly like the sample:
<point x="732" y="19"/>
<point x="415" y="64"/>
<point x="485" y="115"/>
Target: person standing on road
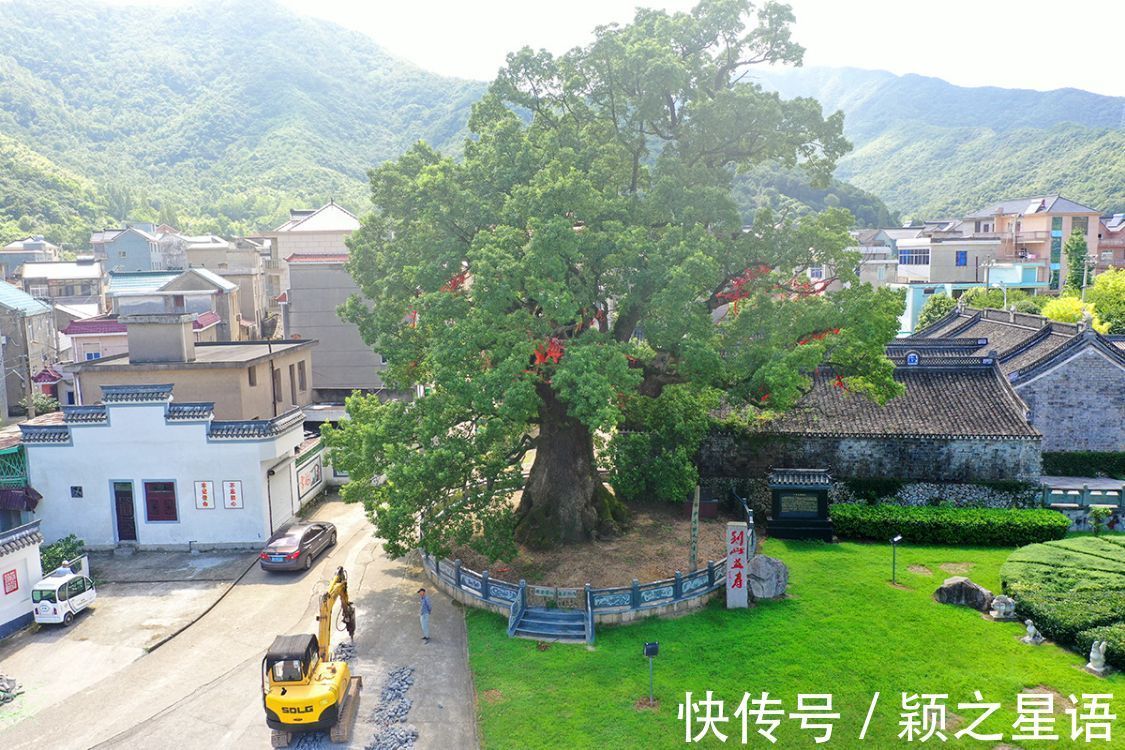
<point x="424" y="614"/>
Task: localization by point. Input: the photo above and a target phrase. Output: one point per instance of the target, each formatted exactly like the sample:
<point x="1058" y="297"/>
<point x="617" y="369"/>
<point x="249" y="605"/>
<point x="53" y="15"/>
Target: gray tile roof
<point x="939" y="402"/>
<point x="20" y="537"/>
<point x="800" y="478"/>
<point x="255" y="428"/>
<point x="189" y="411"/>
<point x="126" y="394"/>
<point x="92" y="414"/>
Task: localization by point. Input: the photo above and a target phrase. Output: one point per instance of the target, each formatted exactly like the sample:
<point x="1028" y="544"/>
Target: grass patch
<point x="842" y="630"/>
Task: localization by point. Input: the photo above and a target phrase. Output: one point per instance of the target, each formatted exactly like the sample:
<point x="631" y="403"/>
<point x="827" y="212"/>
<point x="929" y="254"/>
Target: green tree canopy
<point x="937" y="307"/>
<point x="1075" y="249"/>
<point x="584" y="253"/>
<point x="1072" y="310"/>
<point x="1107" y="294"/>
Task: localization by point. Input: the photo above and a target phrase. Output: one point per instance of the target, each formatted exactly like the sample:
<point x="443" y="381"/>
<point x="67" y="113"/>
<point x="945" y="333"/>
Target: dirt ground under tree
<point x="656" y="544"/>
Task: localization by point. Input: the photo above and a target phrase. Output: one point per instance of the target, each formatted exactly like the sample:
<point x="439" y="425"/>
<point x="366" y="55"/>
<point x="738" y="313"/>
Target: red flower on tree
<point x="552" y="353"/>
<point x="456" y="282"/>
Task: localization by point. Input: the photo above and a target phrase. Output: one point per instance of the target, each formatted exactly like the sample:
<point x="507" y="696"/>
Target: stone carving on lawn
<point x="1033" y="637"/>
<point x="1096" y="665"/>
<point x="1003" y="608"/>
<point x="960" y="590"/>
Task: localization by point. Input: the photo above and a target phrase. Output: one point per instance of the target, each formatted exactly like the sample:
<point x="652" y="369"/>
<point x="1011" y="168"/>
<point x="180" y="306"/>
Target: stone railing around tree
<point x="618" y="604"/>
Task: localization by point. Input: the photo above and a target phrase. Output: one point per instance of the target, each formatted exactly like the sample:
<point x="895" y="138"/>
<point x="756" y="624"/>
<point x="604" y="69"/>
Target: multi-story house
<point x="244" y="380"/>
<point x="309" y="231"/>
<point x="1111" y="243"/>
<point x="1036" y="229"/>
<point x="29" y="340"/>
<point x="33" y="249"/>
<point x="129" y="250"/>
<point x="239" y="262"/>
<point x="79" y="284"/>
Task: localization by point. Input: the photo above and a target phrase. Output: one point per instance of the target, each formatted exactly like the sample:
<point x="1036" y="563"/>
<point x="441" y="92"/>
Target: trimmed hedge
<point x="1074" y="590"/>
<point x="1113" y="635"/>
<point x="1084" y="464"/>
<point x="995" y="527"/>
<point x="1062" y="615"/>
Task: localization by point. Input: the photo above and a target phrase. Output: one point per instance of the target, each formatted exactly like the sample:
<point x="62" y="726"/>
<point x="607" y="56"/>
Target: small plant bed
<point x="1074" y="590"/>
<point x="843" y="630"/>
<point x="655" y="545"/>
<point x="1000" y="527"/>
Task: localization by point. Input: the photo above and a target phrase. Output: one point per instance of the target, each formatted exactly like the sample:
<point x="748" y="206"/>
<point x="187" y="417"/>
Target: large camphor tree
<point x="585" y="254"/>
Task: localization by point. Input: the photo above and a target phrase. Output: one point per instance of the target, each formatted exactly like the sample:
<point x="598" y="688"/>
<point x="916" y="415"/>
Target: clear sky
<point x="1038" y="44"/>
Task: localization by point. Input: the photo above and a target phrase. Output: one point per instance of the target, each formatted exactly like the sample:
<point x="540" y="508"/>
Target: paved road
<point x="202" y="689"/>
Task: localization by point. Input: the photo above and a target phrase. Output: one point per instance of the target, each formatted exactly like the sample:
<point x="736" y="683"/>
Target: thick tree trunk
<point x="564" y="500"/>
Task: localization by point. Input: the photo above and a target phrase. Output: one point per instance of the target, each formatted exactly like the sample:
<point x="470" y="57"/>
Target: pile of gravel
<point x="392" y="732"/>
<point x="344" y="652"/>
<point x="9" y="689"/>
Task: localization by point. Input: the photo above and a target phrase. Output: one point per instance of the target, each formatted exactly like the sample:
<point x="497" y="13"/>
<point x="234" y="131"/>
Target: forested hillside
<point x="929" y="148"/>
<point x="220" y="116"/>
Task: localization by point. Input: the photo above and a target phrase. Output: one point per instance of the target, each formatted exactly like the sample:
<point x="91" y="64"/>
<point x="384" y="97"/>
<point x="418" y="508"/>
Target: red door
<point x="126" y="511"/>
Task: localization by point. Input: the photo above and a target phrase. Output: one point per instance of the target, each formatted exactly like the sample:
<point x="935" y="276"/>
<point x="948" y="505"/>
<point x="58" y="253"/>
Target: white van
<point x="61" y="595"/>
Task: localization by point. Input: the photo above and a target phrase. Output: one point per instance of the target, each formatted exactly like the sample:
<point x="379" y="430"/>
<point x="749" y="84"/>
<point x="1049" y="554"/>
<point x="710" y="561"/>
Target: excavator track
<point x="349" y="709"/>
<point x="279" y="738"/>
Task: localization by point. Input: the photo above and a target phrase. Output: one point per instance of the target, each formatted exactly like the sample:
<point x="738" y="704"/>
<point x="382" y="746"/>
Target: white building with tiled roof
<point x="143" y="469"/>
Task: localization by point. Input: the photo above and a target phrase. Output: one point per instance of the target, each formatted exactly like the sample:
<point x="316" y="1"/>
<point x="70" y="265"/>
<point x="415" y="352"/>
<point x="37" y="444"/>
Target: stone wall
<point x="726" y="455"/>
<point x="1078" y="405"/>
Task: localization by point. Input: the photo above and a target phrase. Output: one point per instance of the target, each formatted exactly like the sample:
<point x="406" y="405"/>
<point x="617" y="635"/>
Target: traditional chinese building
<point x="959" y="421"/>
<point x="1071" y="378"/>
<point x="142" y="469"/>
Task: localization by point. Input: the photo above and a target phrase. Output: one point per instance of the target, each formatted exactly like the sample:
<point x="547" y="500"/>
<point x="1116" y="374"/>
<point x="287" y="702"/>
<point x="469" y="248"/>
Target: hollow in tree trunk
<point x="563" y="500"/>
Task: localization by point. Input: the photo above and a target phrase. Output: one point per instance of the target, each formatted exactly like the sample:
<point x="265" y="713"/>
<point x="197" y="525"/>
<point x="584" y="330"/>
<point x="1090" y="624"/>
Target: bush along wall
<point x="1084" y="464"/>
<point x="898" y="492"/>
<point x="945" y="524"/>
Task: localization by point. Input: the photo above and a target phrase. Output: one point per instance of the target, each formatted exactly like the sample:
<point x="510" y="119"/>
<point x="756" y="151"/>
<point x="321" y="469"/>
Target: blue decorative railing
<point x="519" y="606"/>
<point x="636" y="597"/>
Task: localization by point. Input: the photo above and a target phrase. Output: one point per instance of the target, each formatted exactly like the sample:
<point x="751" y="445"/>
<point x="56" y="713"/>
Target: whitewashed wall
<point x="15" y="606"/>
<point x="138" y="445"/>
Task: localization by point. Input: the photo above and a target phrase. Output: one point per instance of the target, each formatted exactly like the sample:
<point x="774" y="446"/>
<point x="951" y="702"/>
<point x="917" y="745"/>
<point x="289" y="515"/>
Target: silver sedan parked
<point x="295" y="547"/>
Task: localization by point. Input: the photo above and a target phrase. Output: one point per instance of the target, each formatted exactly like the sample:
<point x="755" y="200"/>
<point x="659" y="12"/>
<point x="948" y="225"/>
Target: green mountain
<point x="220" y="116"/>
<point x="929" y="148"/>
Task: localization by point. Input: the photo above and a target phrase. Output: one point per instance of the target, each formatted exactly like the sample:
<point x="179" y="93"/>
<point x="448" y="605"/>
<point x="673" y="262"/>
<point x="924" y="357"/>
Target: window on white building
<point x="919" y="256"/>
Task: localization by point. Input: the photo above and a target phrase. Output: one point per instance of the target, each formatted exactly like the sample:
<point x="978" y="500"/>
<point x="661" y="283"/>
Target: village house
<point x="243" y="379"/>
<point x="239" y="262"/>
<point x="131" y="249"/>
<point x="310" y="231"/>
<point x="142" y="469"/>
<point x="1111" y="243"/>
<point x="79" y="284"/>
<point x="32" y="249"/>
<point x="1036" y="229"/>
<point x="29" y="341"/>
<point x="1071" y="378"/>
<point x="313" y="246"/>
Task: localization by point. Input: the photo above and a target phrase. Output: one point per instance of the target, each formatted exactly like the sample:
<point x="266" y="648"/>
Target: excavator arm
<point x="337" y="589"/>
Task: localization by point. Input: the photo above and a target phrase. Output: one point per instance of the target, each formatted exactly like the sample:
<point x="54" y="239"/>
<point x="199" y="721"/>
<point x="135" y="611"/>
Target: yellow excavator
<point x="301" y="689"/>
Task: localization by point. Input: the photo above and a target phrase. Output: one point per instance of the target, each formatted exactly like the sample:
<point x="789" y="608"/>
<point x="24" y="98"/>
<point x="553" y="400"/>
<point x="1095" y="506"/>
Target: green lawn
<point x="844" y="630"/>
